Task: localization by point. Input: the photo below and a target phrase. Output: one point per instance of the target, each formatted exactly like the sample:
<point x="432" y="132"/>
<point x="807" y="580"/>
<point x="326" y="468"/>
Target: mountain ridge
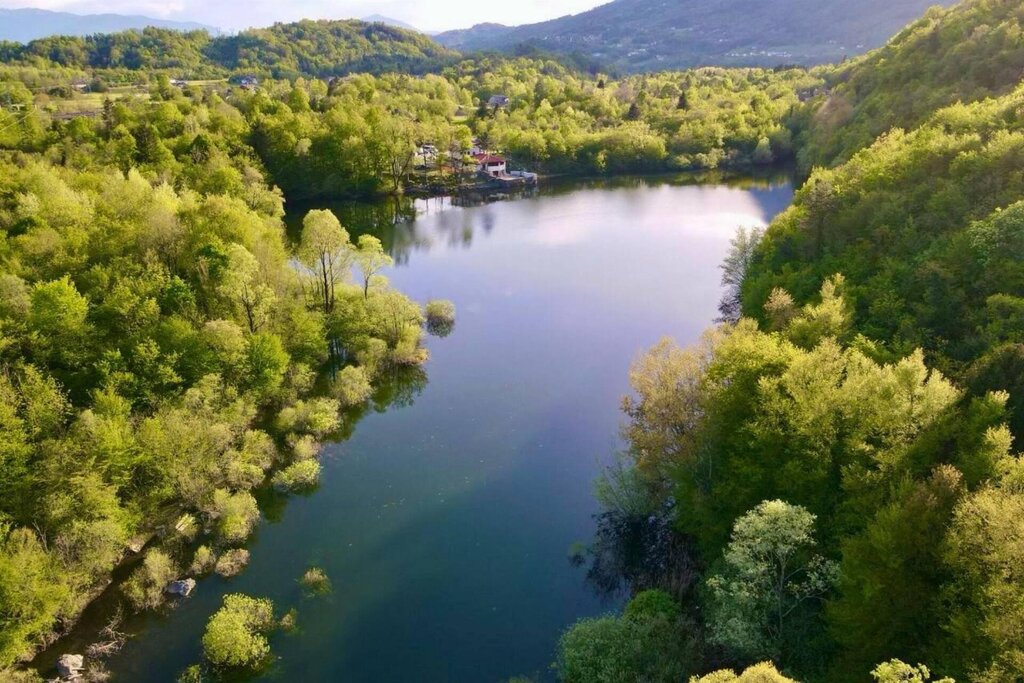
<point x="641" y="35"/>
<point x="24" y="25"/>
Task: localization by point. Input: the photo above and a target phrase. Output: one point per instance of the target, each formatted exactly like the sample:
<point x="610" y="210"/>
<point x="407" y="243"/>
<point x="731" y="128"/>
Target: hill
<point x="643" y="35"/>
<point x="305" y="48"/>
<point x="966" y="53"/>
<point x="381" y="19"/>
<point x="927" y="222"/>
<point x="24" y="25"/>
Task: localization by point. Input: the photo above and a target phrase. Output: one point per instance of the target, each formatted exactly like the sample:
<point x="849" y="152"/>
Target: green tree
<point x="371" y="259"/>
<point x="236" y="634"/>
<point x="768" y="583"/>
<point x="326" y="250"/>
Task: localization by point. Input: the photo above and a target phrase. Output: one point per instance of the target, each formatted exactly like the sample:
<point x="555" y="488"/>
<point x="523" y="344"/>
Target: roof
<point x="489" y="158"/>
<point x="498" y="100"/>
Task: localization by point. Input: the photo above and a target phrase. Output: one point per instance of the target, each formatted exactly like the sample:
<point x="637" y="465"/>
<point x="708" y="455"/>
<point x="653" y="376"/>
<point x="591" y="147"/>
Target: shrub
<point x="440" y="317"/>
<point x="232" y="562"/>
<point x="304" y="447"/>
<point x="203" y="560"/>
<point x="351" y="386"/>
<point x="315" y="581"/>
<point x="235" y="633"/>
<point x="145" y="587"/>
<point x="299" y="475"/>
<point x="236" y="515"/>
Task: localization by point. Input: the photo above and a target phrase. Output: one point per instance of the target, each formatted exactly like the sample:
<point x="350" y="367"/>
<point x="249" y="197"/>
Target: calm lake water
<point x="445" y="520"/>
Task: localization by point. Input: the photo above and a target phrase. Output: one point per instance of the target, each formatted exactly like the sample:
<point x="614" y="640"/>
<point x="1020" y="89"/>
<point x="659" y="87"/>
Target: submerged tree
<point x="371" y="258"/>
<point x="325" y="248"/>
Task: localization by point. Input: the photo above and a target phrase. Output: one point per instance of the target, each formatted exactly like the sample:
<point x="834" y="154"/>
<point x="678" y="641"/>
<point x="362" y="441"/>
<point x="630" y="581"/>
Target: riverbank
<point x="444" y="521"/>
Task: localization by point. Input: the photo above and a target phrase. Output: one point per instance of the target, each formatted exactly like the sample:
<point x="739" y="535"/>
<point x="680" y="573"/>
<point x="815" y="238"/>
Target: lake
<point x="445" y="520"/>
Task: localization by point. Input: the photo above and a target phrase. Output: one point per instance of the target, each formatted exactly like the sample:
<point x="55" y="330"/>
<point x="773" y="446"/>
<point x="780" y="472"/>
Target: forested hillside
<point x="311" y="48"/>
<point x="966" y="53"/>
<point x="163" y="350"/>
<point x="651" y="35"/>
<point x="832" y="482"/>
<point x="842" y="465"/>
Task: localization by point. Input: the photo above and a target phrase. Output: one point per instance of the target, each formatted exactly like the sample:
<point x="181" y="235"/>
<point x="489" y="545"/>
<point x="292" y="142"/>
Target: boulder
<point x="182" y="588"/>
<point x="70" y="667"/>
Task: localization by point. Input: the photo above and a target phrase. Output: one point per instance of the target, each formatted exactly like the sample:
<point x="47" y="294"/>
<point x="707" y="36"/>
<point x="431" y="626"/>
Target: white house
<point x="491" y="164"/>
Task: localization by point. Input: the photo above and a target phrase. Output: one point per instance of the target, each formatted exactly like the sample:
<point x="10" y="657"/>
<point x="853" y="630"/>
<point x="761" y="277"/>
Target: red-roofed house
<point x="491" y="164"/>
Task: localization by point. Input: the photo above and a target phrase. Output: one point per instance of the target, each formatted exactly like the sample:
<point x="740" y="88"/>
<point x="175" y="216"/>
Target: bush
<point x="315" y="581"/>
<point x="203" y="560"/>
<point x="235" y="633"/>
<point x="232" y="562"/>
<point x="650" y="643"/>
<point x="316" y="417"/>
<point x="299" y="475"/>
<point x="440" y="310"/>
<point x="145" y="587"/>
<point x="304" y="447"/>
<point x="351" y="386"/>
<point x="236" y="515"/>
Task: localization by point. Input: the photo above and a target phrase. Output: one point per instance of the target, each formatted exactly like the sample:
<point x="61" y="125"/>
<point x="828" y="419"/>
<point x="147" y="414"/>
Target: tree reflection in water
<point x="631" y="553"/>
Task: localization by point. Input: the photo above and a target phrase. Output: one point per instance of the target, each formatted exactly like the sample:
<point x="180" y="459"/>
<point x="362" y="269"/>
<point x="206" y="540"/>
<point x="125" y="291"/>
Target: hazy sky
<point x="428" y="15"/>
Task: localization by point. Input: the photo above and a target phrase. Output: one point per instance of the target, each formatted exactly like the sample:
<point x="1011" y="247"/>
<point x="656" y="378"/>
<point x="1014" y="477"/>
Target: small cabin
<point x="497" y="101"/>
<point x="490" y="164"/>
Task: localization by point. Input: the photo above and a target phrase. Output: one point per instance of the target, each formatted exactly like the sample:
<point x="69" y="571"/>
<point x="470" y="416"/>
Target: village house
<point x="490" y="164"/>
<point x="497" y="101"/>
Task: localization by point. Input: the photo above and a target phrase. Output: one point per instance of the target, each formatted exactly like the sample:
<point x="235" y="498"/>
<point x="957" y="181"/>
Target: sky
<point x="426" y="15"/>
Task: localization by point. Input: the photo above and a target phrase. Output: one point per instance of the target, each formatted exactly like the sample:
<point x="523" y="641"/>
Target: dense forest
<point x="968" y="52"/>
<point x="839" y="461"/>
<point x="835" y="463"/>
<point x="164" y="350"/>
<point x="311" y="48"/>
<point x="652" y="35"/>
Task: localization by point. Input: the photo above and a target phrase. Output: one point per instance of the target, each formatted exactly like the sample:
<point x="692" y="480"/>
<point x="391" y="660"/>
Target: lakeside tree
<point x="325" y="248"/>
<point x="770" y="576"/>
<point x="371" y="258"/>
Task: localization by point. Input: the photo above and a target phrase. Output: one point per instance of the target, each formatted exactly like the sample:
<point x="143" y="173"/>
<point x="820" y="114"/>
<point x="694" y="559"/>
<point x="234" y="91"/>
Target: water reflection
<point x="397" y="388"/>
<point x="394" y="220"/>
<point x="444" y="525"/>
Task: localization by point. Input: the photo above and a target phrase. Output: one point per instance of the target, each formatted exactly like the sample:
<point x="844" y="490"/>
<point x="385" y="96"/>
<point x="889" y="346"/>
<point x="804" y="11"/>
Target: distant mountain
<point x="642" y="35"/>
<point x="966" y="53"/>
<point x="381" y="19"/>
<point x="23" y="25"/>
<point x="304" y="48"/>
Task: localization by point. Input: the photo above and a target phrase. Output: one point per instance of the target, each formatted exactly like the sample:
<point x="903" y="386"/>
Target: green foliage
<point x="769" y="573"/>
<point x="145" y="587"/>
<point x="440" y="312"/>
<point x="926" y="228"/>
<point x="320" y="48"/>
<point x="651" y="642"/>
<point x="764" y="672"/>
<point x="351" y="386"/>
<point x="315" y="581"/>
<point x="879" y="452"/>
<point x="895" y="671"/>
<point x="235" y="634"/>
<point x="236" y="515"/>
<point x="965" y="53"/>
<point x="303" y="474"/>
